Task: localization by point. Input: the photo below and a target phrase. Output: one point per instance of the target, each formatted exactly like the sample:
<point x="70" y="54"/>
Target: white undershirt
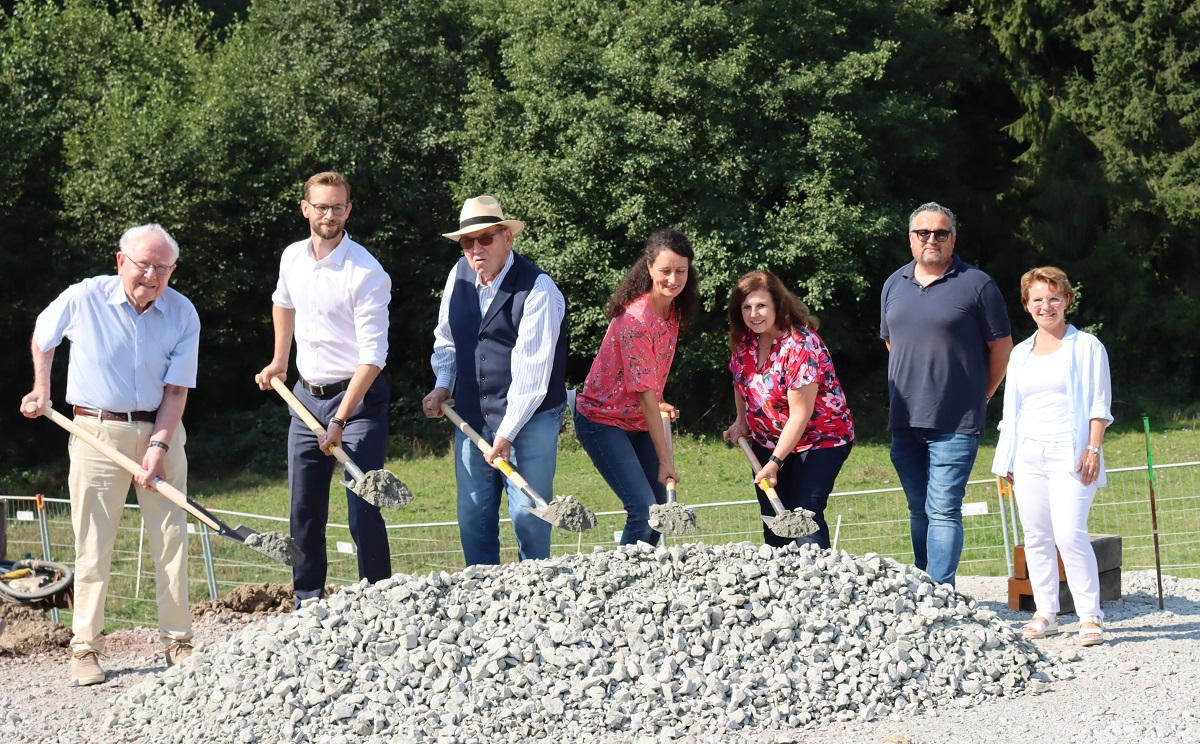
<point x="1043" y="386"/>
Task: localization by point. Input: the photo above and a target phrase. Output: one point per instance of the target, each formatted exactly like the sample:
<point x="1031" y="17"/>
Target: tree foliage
<point x="791" y="135"/>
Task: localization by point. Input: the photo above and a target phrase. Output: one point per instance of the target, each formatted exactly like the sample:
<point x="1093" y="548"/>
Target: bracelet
<point x="1093" y="449"/>
<point x="164" y="445"/>
<point x="776" y="460"/>
<point x="338" y="421"/>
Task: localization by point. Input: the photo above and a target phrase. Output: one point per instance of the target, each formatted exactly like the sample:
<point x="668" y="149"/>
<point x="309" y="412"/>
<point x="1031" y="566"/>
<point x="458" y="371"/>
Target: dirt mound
<point x="253" y="599"/>
<point x="25" y="631"/>
<point x="250" y="599"/>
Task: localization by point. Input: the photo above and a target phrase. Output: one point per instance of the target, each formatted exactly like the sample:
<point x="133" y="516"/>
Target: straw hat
<point x="480" y="212"/>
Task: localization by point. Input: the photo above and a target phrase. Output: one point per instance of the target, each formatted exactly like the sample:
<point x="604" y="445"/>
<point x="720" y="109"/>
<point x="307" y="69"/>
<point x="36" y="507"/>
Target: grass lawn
<point x="711" y="471"/>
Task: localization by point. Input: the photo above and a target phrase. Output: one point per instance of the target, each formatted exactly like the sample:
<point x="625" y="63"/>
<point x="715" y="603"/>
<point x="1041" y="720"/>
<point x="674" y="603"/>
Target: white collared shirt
<point x="120" y="360"/>
<point x="532" y="355"/>
<point x="341" y="304"/>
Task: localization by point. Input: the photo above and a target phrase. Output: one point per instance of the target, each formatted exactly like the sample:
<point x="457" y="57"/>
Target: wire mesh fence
<point x="874" y="521"/>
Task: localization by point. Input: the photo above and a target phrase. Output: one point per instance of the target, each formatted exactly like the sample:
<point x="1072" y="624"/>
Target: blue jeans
<point x="309" y="474"/>
<point x="629" y="465"/>
<point x="534" y="456"/>
<point x="804" y="482"/>
<point x="934" y="467"/>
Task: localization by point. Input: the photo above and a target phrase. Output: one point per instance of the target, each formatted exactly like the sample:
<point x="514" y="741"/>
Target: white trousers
<point x="1054" y="508"/>
<point x="98" y="489"/>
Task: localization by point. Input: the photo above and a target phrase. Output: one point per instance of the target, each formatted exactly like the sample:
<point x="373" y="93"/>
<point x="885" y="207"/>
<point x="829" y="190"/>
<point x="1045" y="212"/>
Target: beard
<point x="328" y="232"/>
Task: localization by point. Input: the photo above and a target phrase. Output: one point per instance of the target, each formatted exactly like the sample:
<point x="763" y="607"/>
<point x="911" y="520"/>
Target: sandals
<point x="1091" y="636"/>
<point x="1040" y="627"/>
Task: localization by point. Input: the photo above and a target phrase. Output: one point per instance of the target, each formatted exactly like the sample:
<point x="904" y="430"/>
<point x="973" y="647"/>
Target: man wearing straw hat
<point x="134" y="346"/>
<point x="501" y="345"/>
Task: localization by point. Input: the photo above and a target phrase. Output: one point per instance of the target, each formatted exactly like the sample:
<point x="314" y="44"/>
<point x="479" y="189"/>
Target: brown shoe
<point x="178" y="651"/>
<point x="85" y="669"/>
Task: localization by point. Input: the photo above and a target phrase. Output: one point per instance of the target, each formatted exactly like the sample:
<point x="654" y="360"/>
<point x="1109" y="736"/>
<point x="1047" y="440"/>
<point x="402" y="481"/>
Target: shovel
<point x="785" y="523"/>
<point x="379" y="487"/>
<point x="271" y="544"/>
<point x="671" y="518"/>
<point x="565" y="513"/>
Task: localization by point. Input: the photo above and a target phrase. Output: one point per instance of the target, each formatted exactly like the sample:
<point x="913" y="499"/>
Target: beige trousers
<point x="98" y="490"/>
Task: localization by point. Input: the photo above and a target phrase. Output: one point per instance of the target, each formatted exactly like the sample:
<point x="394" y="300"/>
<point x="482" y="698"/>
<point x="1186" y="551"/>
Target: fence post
<point x="209" y="570"/>
<point x="45" y="530"/>
<point x="1008" y="558"/>
<point x="137" y="585"/>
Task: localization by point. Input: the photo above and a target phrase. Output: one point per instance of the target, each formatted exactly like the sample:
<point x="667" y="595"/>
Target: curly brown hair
<point x="637" y="282"/>
<point x="790" y="311"/>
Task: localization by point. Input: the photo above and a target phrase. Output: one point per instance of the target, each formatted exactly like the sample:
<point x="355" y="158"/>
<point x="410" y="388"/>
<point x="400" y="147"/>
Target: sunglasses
<point x="468" y="242"/>
<point x="941" y="236"/>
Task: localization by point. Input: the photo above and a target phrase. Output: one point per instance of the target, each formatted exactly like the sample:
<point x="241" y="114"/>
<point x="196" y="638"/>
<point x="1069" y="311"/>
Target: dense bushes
<point x="790" y="134"/>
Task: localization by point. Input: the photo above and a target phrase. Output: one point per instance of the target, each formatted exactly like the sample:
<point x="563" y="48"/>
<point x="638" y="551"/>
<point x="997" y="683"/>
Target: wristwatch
<point x="776" y="460"/>
<point x="1094" y="449"/>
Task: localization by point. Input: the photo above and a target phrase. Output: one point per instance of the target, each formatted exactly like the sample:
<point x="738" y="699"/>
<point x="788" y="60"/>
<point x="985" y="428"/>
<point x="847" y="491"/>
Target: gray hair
<point x="153" y="228"/>
<point x="933" y="207"/>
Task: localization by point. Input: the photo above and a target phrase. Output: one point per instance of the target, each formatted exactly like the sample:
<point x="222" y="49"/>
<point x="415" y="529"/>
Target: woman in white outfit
<point x="1057" y="397"/>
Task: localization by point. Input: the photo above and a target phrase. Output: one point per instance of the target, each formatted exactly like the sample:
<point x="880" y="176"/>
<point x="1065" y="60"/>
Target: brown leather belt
<point x="142" y="416"/>
<point x="328" y="388"/>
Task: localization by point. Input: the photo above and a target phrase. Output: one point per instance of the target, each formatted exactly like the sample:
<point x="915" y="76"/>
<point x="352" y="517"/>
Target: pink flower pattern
<point x="635" y="356"/>
<point x="796" y="359"/>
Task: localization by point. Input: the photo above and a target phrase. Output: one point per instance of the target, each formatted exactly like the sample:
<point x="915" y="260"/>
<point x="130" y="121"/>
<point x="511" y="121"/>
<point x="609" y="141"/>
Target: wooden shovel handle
<point x="666" y="419"/>
<point x="306" y="416"/>
<point x="176" y="496"/>
<point x="764" y="484"/>
<point x="485" y="447"/>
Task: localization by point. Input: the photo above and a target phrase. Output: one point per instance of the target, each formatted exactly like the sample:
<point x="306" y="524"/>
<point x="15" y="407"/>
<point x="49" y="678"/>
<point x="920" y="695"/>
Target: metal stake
<point x="1153" y="510"/>
<point x="1008" y="558"/>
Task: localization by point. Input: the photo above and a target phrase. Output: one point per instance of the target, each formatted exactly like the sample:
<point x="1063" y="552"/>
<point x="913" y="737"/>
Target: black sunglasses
<point x="940" y="236"/>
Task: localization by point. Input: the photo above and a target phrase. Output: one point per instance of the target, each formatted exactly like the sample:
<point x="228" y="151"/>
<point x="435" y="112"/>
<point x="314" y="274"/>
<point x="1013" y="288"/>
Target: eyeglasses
<point x="940" y="236"/>
<point x="160" y="269"/>
<point x="1052" y="302"/>
<point x="338" y="209"/>
<point x="468" y="242"/>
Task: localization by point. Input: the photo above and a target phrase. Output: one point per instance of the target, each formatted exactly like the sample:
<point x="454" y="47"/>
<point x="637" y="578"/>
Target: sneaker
<point x="85" y="669"/>
<point x="178" y="651"/>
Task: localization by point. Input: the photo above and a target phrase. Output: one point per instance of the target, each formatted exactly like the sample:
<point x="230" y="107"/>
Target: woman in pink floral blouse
<point x="789" y="401"/>
<point x="617" y="416"/>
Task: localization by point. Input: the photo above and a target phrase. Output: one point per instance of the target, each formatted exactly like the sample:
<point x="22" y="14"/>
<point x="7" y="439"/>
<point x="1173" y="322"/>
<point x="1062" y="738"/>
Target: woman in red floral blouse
<point x="618" y="412"/>
<point x="789" y="401"/>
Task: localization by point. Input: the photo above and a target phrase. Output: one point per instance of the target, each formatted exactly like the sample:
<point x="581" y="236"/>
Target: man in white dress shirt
<point x="134" y="346"/>
<point x="501" y="345"/>
<point x="332" y="297"/>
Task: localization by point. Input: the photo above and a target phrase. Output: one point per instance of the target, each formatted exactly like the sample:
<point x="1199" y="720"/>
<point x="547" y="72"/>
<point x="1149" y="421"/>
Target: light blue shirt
<point x="120" y="360"/>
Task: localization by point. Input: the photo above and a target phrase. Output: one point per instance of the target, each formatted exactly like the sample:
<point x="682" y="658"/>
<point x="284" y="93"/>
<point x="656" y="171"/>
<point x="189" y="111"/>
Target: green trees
<point x="787" y="134"/>
<point x="782" y="134"/>
<point x="1109" y="177"/>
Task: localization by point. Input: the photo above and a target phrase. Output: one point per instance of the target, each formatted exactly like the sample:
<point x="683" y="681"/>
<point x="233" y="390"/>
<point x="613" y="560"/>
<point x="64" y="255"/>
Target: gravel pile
<point x="687" y="640"/>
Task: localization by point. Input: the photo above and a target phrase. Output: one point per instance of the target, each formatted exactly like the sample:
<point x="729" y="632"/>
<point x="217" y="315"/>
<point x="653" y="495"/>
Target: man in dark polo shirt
<point x="501" y="345"/>
<point x="947" y="331"/>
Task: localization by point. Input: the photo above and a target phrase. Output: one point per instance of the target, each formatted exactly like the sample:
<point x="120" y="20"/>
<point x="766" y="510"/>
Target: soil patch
<point x="25" y="631"/>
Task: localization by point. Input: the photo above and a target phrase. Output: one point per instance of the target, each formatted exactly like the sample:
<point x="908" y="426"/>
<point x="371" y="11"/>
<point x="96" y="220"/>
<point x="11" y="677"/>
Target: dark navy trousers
<point x="310" y="473"/>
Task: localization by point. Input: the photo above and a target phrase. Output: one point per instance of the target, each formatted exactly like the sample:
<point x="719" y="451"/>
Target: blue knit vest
<point x="483" y="345"/>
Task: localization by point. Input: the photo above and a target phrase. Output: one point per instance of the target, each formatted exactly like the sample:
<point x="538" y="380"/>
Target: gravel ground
<point x="1142" y="685"/>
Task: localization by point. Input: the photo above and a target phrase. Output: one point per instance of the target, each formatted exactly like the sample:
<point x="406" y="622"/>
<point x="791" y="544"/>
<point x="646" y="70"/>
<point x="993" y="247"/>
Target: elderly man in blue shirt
<point x="134" y="345"/>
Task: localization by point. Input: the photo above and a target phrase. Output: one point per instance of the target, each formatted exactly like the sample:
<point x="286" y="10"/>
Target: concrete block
<point x="1108" y="563"/>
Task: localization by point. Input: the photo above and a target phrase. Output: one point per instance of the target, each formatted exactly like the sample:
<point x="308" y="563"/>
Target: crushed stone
<point x="798" y="523"/>
<point x="384" y="489"/>
<point x="672" y="519"/>
<point x="276" y="547"/>
<point x="690" y="640"/>
<point x="570" y="514"/>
